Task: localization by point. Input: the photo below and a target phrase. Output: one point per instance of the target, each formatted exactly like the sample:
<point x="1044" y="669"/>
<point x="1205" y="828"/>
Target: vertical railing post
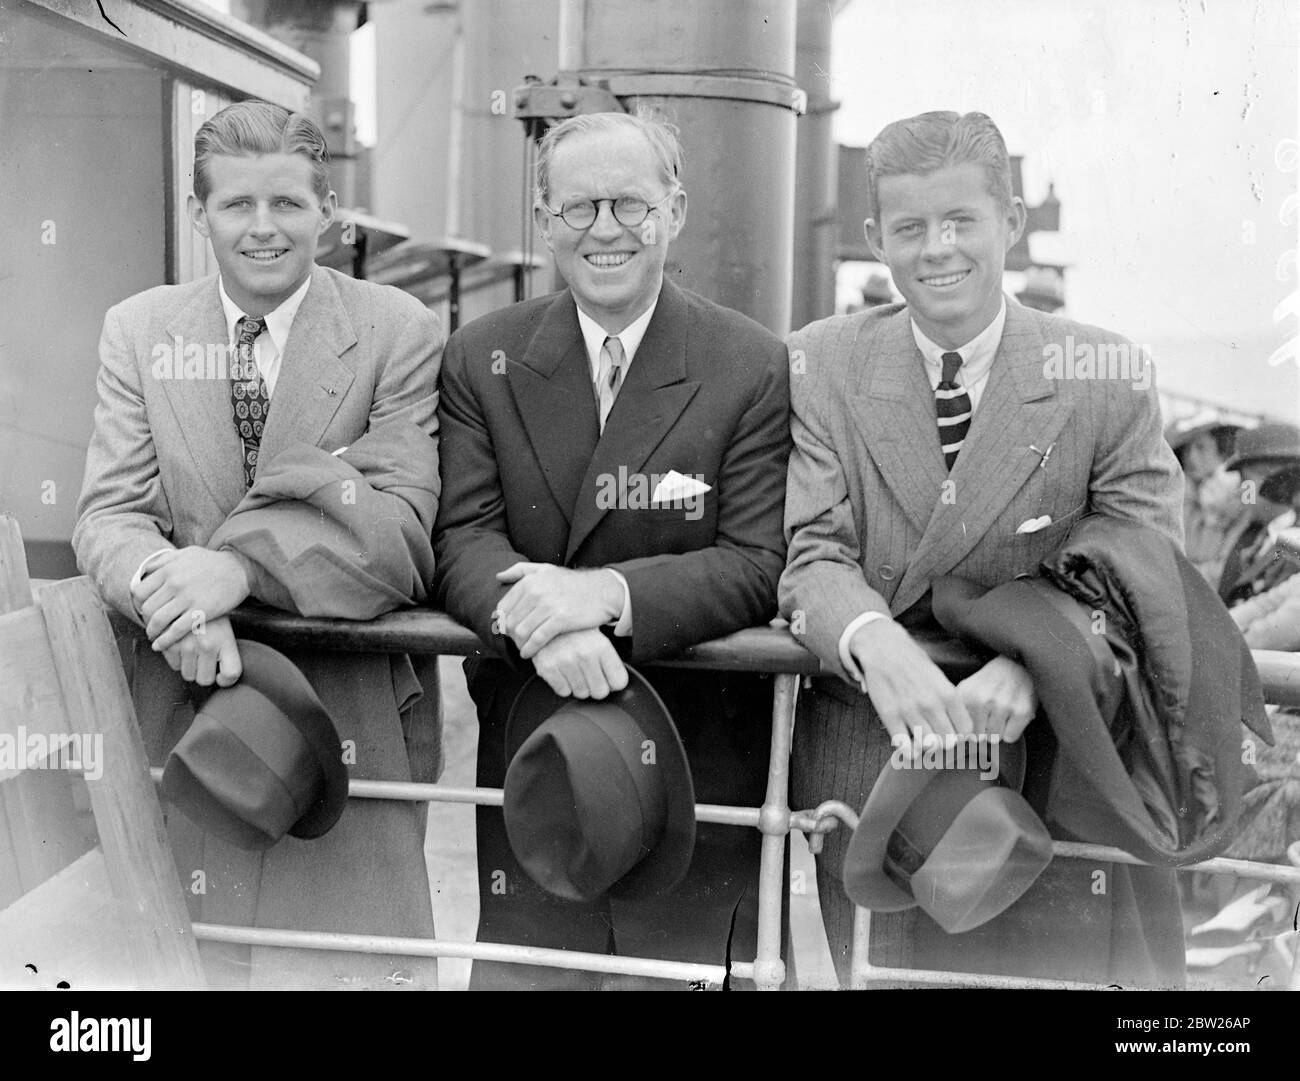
<point x="774" y="822"/>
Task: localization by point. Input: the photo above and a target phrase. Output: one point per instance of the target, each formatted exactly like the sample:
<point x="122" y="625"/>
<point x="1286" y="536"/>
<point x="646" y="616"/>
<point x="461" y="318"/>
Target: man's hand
<point x="546" y="601"/>
<point x="906" y="687"/>
<point x="1000" y="698"/>
<point x="207" y="656"/>
<point x="583" y="664"/>
<point x="185" y="582"/>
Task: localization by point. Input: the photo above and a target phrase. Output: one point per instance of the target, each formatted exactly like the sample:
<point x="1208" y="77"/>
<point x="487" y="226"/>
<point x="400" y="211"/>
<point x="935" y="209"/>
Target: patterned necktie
<point x="609" y="377"/>
<point x="248" y="396"/>
<point x="953" y="409"/>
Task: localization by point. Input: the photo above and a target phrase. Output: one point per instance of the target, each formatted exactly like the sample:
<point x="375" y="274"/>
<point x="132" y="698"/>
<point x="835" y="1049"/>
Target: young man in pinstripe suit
<point x="938" y="437"/>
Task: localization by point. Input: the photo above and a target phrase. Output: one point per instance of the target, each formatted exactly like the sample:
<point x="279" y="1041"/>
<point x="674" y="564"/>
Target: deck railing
<point x="770" y="650"/>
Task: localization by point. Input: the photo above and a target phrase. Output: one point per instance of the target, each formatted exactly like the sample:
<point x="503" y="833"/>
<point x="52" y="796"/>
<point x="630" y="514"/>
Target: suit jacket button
<point x="887" y="572"/>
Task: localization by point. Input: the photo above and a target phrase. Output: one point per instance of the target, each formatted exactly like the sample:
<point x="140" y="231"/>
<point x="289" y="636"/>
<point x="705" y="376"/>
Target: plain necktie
<point x="609" y="377"/>
<point x="952" y="408"/>
<point x="248" y="397"/>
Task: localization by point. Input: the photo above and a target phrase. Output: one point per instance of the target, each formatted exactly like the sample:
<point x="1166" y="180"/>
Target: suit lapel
<point x="315" y="374"/>
<point x="552" y="389"/>
<point x="1018" y="411"/>
<point x="894" y="410"/>
<point x="653" y="396"/>
<point x="201" y="405"/>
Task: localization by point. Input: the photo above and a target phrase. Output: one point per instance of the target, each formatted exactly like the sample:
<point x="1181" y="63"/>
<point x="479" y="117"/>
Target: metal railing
<point x="768" y="650"/>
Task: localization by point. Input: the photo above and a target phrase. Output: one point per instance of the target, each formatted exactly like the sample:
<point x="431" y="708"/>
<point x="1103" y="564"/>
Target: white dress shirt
<point x="269" y="346"/>
<point x="593" y="337"/>
<point x="976" y="362"/>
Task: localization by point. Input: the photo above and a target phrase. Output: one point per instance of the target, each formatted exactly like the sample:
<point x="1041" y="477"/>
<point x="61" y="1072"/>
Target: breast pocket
<point x="1042" y="542"/>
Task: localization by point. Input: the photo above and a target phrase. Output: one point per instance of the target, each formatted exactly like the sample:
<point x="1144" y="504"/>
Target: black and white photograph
<point x="700" y="495"/>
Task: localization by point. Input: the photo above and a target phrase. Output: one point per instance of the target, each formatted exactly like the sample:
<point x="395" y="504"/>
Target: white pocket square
<point x="675" y="487"/>
<point x="1033" y="525"/>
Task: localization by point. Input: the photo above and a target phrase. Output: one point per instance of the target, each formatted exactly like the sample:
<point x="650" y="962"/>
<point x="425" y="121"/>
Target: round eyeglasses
<point x="628" y="210"/>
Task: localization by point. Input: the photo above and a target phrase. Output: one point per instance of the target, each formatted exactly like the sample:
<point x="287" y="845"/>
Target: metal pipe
<point x="774" y="821"/>
<point x="478" y="951"/>
<point x="723" y="72"/>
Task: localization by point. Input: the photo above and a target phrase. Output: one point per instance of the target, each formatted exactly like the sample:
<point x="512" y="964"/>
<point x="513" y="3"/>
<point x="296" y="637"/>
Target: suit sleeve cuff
<point x="144" y="568"/>
<point x="623" y="625"/>
<point x="846" y="658"/>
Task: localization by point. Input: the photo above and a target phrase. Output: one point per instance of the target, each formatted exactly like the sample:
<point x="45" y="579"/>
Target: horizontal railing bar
<point x="972" y="979"/>
<point x="804" y="821"/>
<point x="756" y="649"/>
<point x="423" y="630"/>
<point x="478" y="951"/>
<point x="1265" y="872"/>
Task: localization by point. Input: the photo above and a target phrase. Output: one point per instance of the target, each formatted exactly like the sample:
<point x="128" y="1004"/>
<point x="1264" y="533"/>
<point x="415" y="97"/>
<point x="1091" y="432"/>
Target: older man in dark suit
<point x="615" y="472"/>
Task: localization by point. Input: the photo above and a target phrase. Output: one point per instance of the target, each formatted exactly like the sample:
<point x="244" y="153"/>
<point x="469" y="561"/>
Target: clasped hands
<point x="185" y="600"/>
<point x="912" y="696"/>
<point x="553" y="614"/>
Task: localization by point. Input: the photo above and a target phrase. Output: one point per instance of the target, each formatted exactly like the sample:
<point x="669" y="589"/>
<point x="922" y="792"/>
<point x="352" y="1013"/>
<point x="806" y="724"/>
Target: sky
<point x="1162" y="124"/>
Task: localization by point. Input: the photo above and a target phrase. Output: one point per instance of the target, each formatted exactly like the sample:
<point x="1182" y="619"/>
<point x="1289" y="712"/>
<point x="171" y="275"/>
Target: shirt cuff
<point x="846" y="658"/>
<point x="623" y="625"/>
<point x="139" y="574"/>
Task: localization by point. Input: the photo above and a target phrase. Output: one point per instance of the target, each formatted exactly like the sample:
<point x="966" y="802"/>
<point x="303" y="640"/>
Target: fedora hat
<point x="1278" y="443"/>
<point x="598" y="794"/>
<point x="261" y="759"/>
<point x="1044" y="289"/>
<point x="1185" y="429"/>
<point x="960" y="847"/>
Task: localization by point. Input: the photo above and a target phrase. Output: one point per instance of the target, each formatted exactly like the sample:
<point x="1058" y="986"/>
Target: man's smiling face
<point x="615" y="271"/>
<point x="945" y="240"/>
<point x="264" y="219"/>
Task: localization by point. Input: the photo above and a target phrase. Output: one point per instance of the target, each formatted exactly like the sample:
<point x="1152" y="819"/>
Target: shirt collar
<point x="594" y="335"/>
<point x="976" y="355"/>
<point x="278" y="322"/>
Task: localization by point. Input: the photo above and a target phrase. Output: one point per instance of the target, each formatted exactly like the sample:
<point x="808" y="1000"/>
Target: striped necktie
<point x="953" y="409"/>
<point x="248" y="397"/>
<point x="609" y="377"/>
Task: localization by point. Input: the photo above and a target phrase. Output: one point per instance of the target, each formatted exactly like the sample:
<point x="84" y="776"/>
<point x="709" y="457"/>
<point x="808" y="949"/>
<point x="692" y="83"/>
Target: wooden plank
<point x="31" y="701"/>
<point x="27" y="697"/>
<point x="130" y="822"/>
<point x="65" y="930"/>
<point x="15" y="587"/>
<point x="46" y="829"/>
<point x="195" y="37"/>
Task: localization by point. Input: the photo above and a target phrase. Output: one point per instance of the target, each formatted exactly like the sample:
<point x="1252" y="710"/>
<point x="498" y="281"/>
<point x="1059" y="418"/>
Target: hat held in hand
<point x="961" y="847"/>
<point x="598" y="794"/>
<point x="262" y="757"/>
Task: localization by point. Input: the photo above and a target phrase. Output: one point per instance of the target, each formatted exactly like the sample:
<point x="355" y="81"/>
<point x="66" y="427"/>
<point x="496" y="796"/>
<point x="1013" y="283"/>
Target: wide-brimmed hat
<point x="961" y="847"/>
<point x="1277" y="442"/>
<point x="1186" y="429"/>
<point x="262" y="757"/>
<point x="598" y="795"/>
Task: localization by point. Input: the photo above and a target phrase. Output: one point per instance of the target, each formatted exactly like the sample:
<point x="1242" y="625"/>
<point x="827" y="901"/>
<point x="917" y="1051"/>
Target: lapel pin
<point x="1042" y="463"/>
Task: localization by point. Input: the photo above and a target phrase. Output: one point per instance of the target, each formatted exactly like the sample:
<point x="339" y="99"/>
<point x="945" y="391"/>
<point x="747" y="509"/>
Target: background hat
<point x="962" y="848"/>
<point x="585" y="812"/>
<point x="261" y="759"/>
<point x="877" y="289"/>
<point x="1044" y="289"/>
<point x="1186" y="429"/>
<point x="1268" y="442"/>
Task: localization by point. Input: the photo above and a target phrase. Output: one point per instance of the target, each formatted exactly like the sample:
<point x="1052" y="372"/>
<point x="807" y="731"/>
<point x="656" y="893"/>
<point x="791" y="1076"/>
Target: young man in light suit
<point x="955" y="433"/>
<point x="274" y="368"/>
<point x="552" y="413"/>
